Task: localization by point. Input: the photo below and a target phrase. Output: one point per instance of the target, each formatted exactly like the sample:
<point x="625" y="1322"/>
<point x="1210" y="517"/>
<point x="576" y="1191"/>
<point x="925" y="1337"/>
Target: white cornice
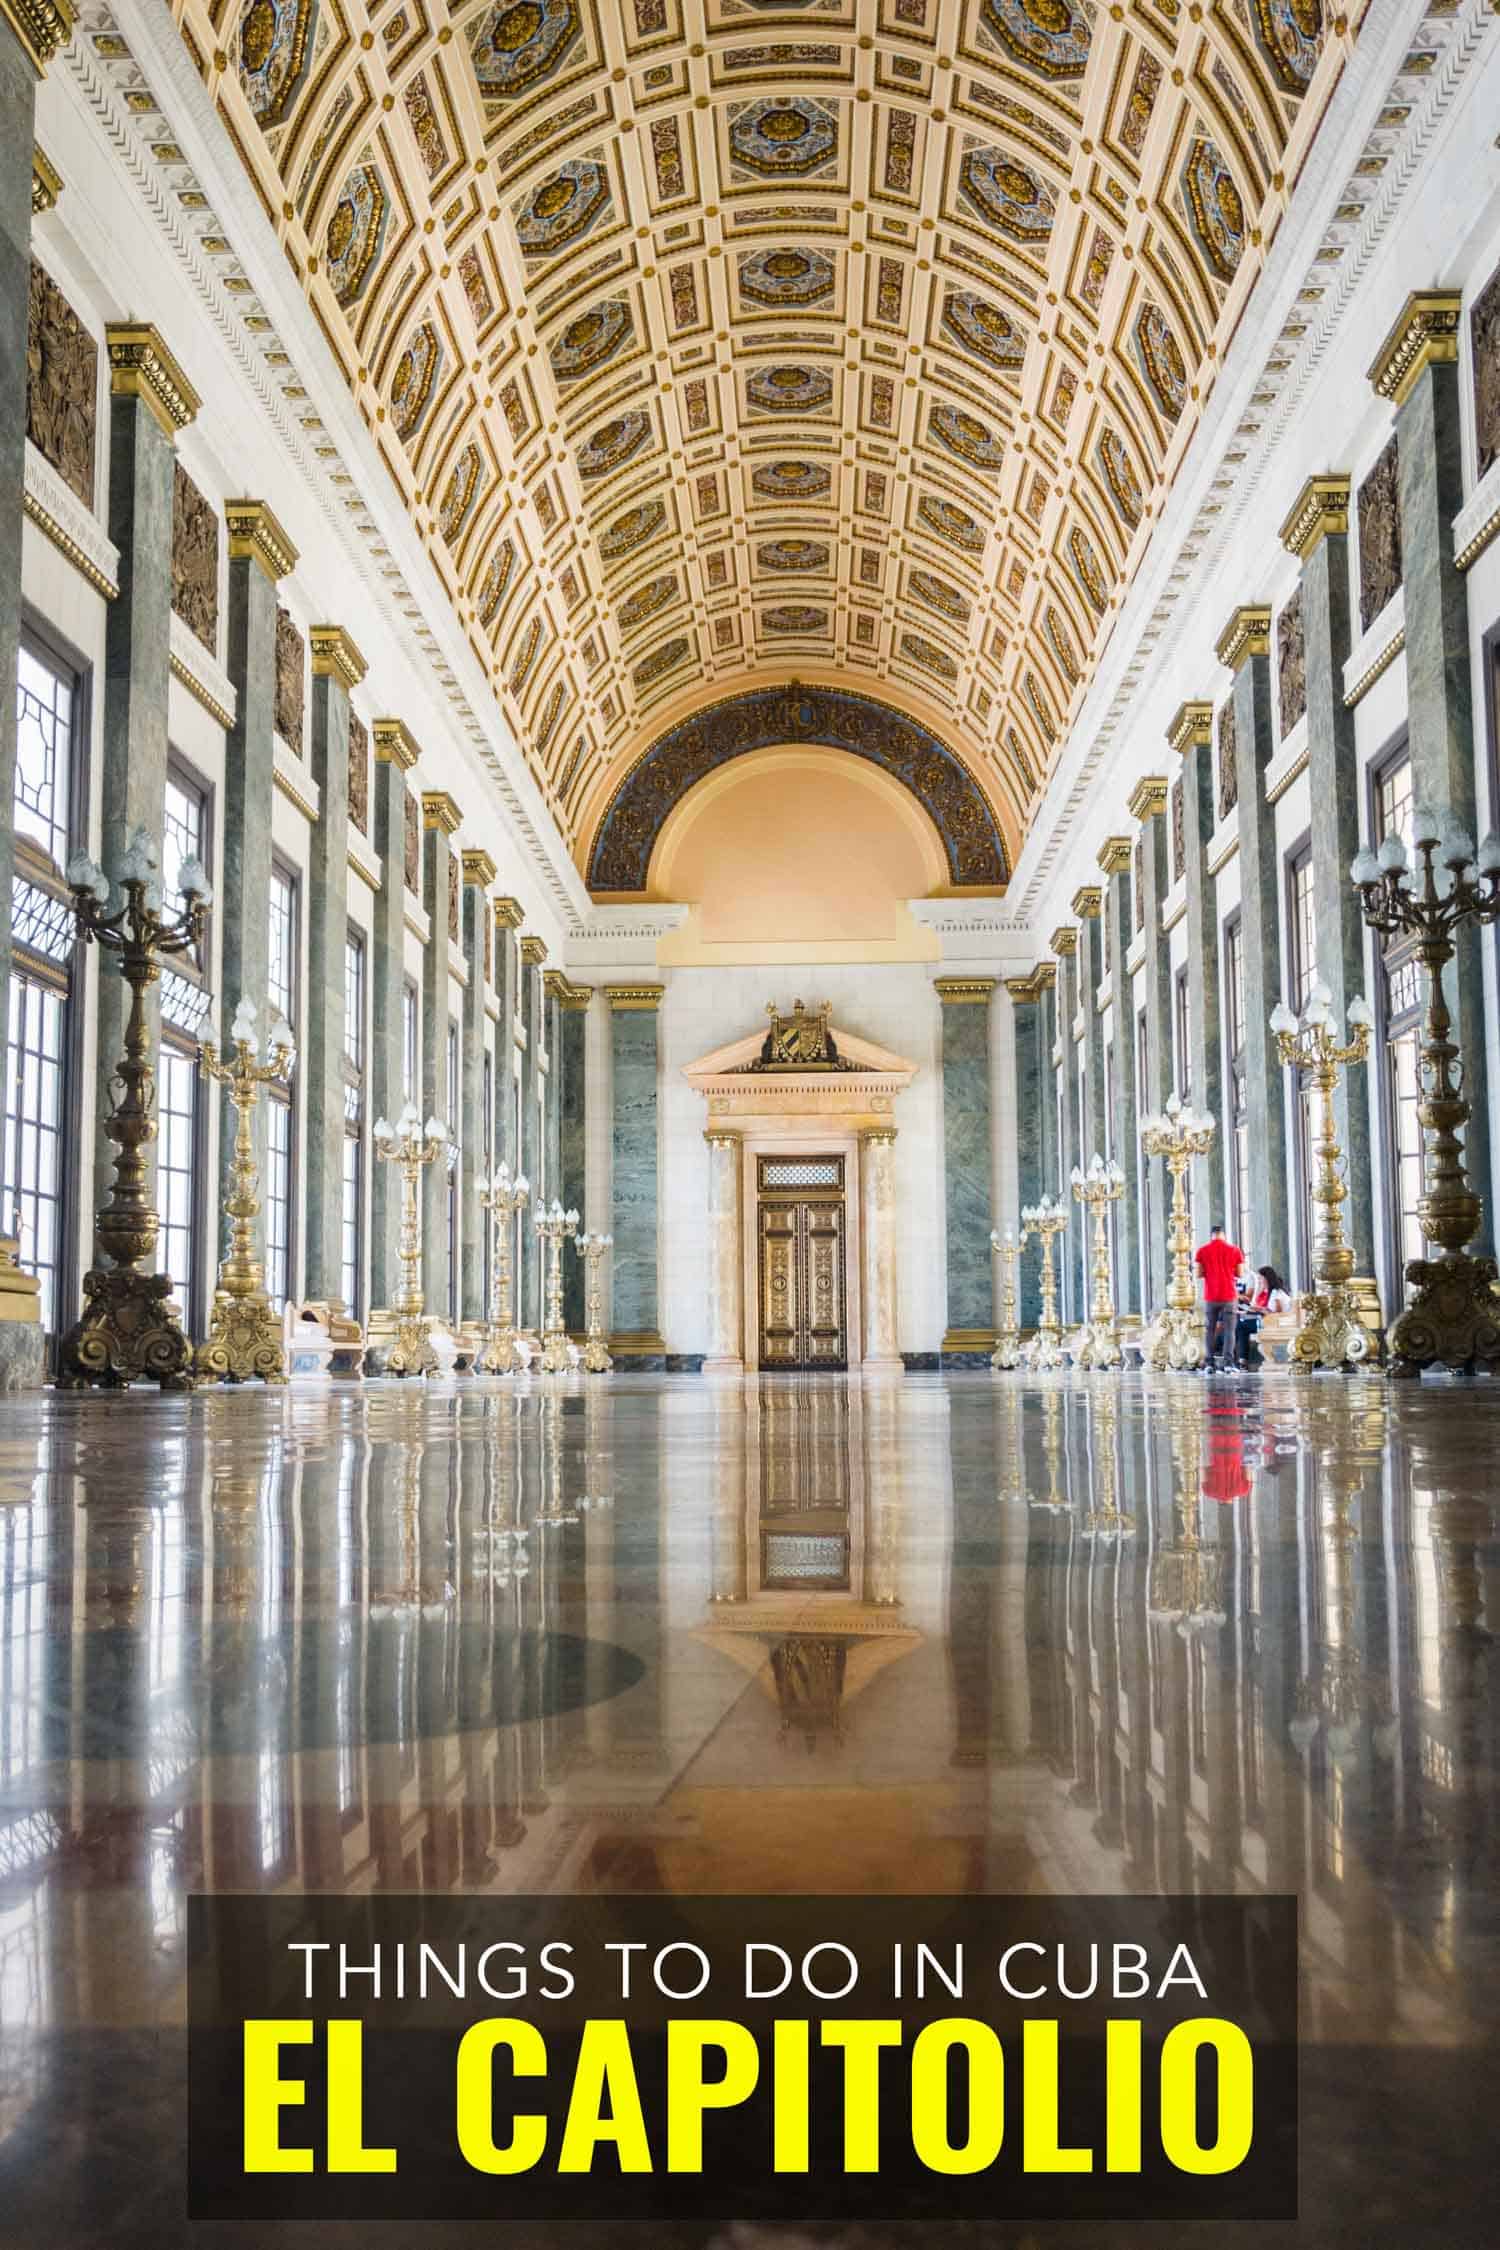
<point x="202" y="675"/>
<point x="1376" y="649"/>
<point x="57" y="512"/>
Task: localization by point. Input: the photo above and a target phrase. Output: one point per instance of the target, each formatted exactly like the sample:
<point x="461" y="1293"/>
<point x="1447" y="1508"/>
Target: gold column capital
<point x="1088" y="902"/>
<point x="559" y="986"/>
<point x="1320" y="510"/>
<point x="478" y="868"/>
<point x="533" y="951"/>
<point x="624" y="997"/>
<point x="722" y="1136"/>
<point x="46" y="181"/>
<point x="876" y="1136"/>
<point x="1248" y="633"/>
<point x="1114" y="855"/>
<point x="43" y="27"/>
<point x="256" y="536"/>
<point x="509" y="913"/>
<point x="140" y="366"/>
<point x="1425" y="334"/>
<point x="1040" y="979"/>
<point x="964" y="991"/>
<point x="335" y="657"/>
<point x="1064" y="941"/>
<point x="439" y="811"/>
<point x="1192" y="724"/>
<point x="394" y="744"/>
<point x="1148" y="797"/>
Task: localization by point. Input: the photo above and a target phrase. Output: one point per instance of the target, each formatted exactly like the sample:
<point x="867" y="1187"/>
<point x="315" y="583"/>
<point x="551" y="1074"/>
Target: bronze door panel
<point x="801" y="1268"/>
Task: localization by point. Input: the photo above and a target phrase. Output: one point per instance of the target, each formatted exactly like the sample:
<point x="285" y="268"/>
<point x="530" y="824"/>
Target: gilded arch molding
<point x="831" y="718"/>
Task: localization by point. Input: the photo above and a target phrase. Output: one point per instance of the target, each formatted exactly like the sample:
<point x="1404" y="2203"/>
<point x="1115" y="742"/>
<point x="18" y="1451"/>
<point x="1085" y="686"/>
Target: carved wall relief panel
<point x="1291" y="664"/>
<point x="1138" y="886"/>
<point x="453" y="889"/>
<point x="359" y="775"/>
<point x="195" y="560"/>
<point x="62" y="385"/>
<point x="1179" y="831"/>
<point x="1229" y="770"/>
<point x="289" y="687"/>
<point x="1379" y="537"/>
<point x="413" y="844"/>
<point x="1484" y="334"/>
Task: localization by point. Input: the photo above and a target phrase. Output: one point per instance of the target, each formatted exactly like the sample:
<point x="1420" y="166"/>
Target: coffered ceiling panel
<point x="716" y="343"/>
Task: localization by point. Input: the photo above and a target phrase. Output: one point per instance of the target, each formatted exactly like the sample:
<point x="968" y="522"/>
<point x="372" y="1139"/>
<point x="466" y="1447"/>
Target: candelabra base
<point x="556" y="1358"/>
<point x="130" y="1332"/>
<point x="1007" y="1351"/>
<point x="1044" y="1351"/>
<point x="499" y="1356"/>
<point x="1332" y="1330"/>
<point x="1174" y="1339"/>
<point x="1452" y="1318"/>
<point x="244" y="1340"/>
<point x="1098" y="1345"/>
<point x="596" y="1357"/>
<point x="412" y="1352"/>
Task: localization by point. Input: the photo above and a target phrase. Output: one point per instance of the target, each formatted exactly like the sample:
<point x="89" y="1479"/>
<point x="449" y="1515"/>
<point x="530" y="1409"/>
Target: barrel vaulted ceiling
<point x="717" y="343"/>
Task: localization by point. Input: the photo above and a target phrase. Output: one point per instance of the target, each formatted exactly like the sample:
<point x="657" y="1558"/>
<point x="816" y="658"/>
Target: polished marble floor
<point x="654" y="1634"/>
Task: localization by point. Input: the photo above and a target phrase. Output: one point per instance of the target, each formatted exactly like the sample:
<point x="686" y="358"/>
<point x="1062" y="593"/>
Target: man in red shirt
<point x="1219" y="1262"/>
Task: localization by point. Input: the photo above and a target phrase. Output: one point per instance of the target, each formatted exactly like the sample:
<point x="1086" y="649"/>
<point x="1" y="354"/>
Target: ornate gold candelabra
<point x="1007" y="1351"/>
<point x="1452" y="1317"/>
<point x="130" y="1329"/>
<point x="412" y="1145"/>
<point x="1344" y="1698"/>
<point x="1186" y="1585"/>
<point x="596" y="1357"/>
<point x="244" y="1335"/>
<point x="1175" y="1337"/>
<point x="1096" y="1189"/>
<point x="554" y="1227"/>
<point x="502" y="1197"/>
<point x="1333" y="1329"/>
<point x="1046" y="1221"/>
<point x="1104" y="1519"/>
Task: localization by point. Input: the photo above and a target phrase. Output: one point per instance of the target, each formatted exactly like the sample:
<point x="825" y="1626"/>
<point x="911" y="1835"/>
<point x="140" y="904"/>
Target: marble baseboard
<point x="964" y="1359"/>
<point x="921" y="1363"/>
<point x="680" y="1363"/>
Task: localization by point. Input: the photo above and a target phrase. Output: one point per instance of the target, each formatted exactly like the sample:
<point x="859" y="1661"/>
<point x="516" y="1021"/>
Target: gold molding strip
<point x="82" y="562"/>
<point x="440" y="811"/>
<point x="140" y="366"/>
<point x="335" y="657"/>
<point x="1248" y="633"/>
<point x="394" y="745"/>
<point x="1474" y="547"/>
<point x="255" y="535"/>
<point x="200" y="693"/>
<point x="1320" y="510"/>
<point x="625" y="996"/>
<point x="42" y="27"/>
<point x="478" y="867"/>
<point x="1382" y="663"/>
<point x="1192" y="726"/>
<point x="1424" y="334"/>
<point x="46" y="182"/>
<point x="963" y="992"/>
<point x="287" y="784"/>
<point x="1148" y="797"/>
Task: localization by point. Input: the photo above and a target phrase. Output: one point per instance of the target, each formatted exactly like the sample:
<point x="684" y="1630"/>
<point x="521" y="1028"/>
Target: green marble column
<point x="531" y="1273"/>
<point x="1191" y="736"/>
<point x="570" y="1063"/>
<point x="1119" y="931"/>
<point x="1088" y="905"/>
<point x="260" y="556"/>
<point x="968" y="1169"/>
<point x="440" y="821"/>
<point x="1148" y="805"/>
<point x="1068" y="1249"/>
<point x="1033" y="1015"/>
<point x="634" y="1265"/>
<point x="150" y="401"/>
<point x="478" y="872"/>
<point x="395" y="755"/>
<point x="1314" y="635"/>
<point x="1418" y="371"/>
<point x="1244" y="647"/>
<point x="337" y="668"/>
<point x="508" y="920"/>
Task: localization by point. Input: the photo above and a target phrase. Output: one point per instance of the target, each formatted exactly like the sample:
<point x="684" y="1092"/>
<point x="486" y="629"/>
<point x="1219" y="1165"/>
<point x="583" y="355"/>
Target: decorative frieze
<point x="1320" y="510"/>
<point x="290" y="685"/>
<point x="1379" y="536"/>
<point x="140" y="366"/>
<point x="195" y="559"/>
<point x="1425" y="334"/>
<point x="1247" y="634"/>
<point x="62" y="385"/>
<point x="335" y="657"/>
<point x="1291" y="665"/>
<point x="256" y="536"/>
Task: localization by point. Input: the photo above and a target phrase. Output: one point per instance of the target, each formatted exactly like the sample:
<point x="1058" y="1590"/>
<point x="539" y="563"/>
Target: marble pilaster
<point x="1088" y="905"/>
<point x="150" y="400"/>
<point x="440" y="822"/>
<point x="636" y="1336"/>
<point x="1265" y="1230"/>
<point x="1069" y="1248"/>
<point x="337" y="668"/>
<point x="395" y="755"/>
<point x="1124" y="1124"/>
<point x="1418" y="370"/>
<point x="1148" y="805"/>
<point x="1032" y="1014"/>
<point x="1317" y="531"/>
<point x="725" y="1354"/>
<point x="1192" y="736"/>
<point x="260" y="555"/>
<point x="508" y="918"/>
<point x="530" y="1272"/>
<point x="877" y="1176"/>
<point x="478" y="871"/>
<point x="968" y="1168"/>
<point x="570" y="1041"/>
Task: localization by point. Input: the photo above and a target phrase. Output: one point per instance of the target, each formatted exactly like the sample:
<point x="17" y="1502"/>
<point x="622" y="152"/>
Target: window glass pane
<point x="278" y="1200"/>
<point x="44" y="754"/>
<point x="182" y="833"/>
<point x="353" y="1190"/>
<point x="176" y="1157"/>
<point x="1406" y="1138"/>
<point x="1393" y="804"/>
<point x="34" y="1154"/>
<point x="1302" y="931"/>
<point x="410" y="1051"/>
<point x="282" y="977"/>
<point x="354" y="1000"/>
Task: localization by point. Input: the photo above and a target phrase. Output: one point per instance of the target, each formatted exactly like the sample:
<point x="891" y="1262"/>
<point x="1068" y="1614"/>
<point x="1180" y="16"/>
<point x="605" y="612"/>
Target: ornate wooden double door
<point x="800" y="1217"/>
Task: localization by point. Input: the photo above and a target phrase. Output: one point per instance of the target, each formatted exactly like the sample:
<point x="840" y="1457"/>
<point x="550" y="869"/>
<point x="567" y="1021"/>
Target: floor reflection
<point x="1096" y="1636"/>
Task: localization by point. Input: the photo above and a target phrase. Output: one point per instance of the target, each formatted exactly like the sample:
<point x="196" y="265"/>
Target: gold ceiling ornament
<point x="625" y="997"/>
<point x="1149" y="797"/>
<point x="46" y="183"/>
<point x="335" y="657"/>
<point x="395" y="745"/>
<point x="1088" y="902"/>
<point x="255" y="535"/>
<point x="439" y="811"/>
<point x="1425" y="334"/>
<point x="140" y="366"/>
<point x="1248" y="633"/>
<point x="1320" y="511"/>
<point x="43" y="27"/>
<point x="478" y="867"/>
<point x="1114" y="855"/>
<point x="1192" y="726"/>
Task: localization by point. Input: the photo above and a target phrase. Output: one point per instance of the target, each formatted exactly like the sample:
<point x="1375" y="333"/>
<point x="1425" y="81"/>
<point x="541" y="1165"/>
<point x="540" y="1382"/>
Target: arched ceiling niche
<point x="710" y="339"/>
